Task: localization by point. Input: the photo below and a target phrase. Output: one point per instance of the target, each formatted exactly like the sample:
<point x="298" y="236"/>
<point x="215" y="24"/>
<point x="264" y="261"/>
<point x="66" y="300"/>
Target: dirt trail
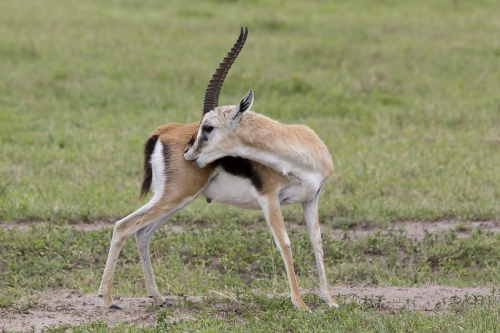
<point x="71" y="307"/>
<point x="417" y="230"/>
<point x="412" y="229"/>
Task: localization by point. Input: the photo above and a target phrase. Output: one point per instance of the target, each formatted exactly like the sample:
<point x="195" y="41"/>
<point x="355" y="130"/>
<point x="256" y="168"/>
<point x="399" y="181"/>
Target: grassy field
<point x="50" y="257"/>
<point x="225" y="259"/>
<point x="405" y="94"/>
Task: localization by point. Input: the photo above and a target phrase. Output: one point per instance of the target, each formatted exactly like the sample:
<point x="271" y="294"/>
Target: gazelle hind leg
<point x="122" y="230"/>
<point x="176" y="183"/>
<point x="144" y="222"/>
<point x="310" y="209"/>
<point x="143" y="238"/>
<point x="274" y="218"/>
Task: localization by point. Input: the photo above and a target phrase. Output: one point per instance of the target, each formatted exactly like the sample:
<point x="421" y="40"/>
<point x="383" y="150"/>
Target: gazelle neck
<point x="289" y="149"/>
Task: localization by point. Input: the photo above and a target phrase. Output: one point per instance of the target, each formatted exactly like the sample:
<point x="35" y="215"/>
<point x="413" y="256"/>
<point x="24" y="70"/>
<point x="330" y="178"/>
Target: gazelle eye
<point x="207" y="128"/>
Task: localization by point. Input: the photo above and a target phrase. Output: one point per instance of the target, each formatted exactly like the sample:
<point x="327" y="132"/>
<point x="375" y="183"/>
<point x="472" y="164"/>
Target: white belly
<point x="232" y="190"/>
<point x="238" y="191"/>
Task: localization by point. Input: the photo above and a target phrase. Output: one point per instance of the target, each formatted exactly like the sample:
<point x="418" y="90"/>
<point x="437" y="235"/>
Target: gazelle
<point x="239" y="158"/>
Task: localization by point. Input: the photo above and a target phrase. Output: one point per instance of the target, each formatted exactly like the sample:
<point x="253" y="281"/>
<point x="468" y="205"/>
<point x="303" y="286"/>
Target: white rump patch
<point x="158" y="167"/>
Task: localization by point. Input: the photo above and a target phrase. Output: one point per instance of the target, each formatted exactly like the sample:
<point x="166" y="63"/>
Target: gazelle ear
<point x="244" y="105"/>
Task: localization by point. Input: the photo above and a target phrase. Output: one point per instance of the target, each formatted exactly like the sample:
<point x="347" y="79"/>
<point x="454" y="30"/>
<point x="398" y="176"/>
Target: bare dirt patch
<point x="58" y="307"/>
<point x="70" y="307"/>
<point x="415" y="230"/>
<point x="418" y="230"/>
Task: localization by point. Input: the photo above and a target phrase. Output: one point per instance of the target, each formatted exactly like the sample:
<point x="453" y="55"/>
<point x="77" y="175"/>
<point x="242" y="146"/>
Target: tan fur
<point x="183" y="181"/>
<point x="175" y="137"/>
<point x="284" y="164"/>
<point x="294" y="159"/>
<point x="277" y="225"/>
<point x="296" y="142"/>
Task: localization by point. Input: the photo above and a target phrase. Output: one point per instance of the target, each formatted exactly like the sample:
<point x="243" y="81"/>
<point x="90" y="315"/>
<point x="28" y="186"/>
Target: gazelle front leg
<point x="310" y="209"/>
<point x="274" y="218"/>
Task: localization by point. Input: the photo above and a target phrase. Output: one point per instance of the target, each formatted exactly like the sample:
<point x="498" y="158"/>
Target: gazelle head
<point x="217" y="124"/>
<point x="216" y="134"/>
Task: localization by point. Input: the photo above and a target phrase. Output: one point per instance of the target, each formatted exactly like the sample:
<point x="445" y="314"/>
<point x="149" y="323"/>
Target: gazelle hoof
<point x="159" y="300"/>
<point x="115" y="307"/>
<point x="164" y="304"/>
<point x="301" y="305"/>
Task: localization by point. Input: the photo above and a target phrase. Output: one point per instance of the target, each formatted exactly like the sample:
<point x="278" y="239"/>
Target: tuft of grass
<point x="26" y="304"/>
<point x="6" y="301"/>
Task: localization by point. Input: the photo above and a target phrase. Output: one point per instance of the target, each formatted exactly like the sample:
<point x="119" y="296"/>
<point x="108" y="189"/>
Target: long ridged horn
<point x="212" y="92"/>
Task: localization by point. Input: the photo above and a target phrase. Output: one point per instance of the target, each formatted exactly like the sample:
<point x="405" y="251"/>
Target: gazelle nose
<point x="189" y="156"/>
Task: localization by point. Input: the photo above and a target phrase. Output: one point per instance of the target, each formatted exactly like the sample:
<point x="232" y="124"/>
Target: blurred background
<point x="404" y="93"/>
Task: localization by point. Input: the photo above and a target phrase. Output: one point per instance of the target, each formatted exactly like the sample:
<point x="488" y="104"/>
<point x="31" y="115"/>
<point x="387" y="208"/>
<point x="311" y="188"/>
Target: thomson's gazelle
<point x="232" y="156"/>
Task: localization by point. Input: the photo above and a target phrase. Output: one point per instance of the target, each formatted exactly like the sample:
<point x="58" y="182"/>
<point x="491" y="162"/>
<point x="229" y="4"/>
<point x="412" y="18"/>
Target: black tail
<point x="149" y="146"/>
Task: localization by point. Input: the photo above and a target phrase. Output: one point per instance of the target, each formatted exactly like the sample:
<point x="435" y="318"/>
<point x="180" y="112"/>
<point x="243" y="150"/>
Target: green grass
<point x="49" y="257"/>
<point x="404" y="94"/>
<point x="222" y="257"/>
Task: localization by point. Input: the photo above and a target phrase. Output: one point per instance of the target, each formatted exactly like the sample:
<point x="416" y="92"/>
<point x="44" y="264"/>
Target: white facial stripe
<point x="198" y="136"/>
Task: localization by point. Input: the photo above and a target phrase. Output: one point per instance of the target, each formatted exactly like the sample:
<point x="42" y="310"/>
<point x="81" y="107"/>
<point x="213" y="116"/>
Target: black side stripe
<point x="240" y="167"/>
<point x="149" y="146"/>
